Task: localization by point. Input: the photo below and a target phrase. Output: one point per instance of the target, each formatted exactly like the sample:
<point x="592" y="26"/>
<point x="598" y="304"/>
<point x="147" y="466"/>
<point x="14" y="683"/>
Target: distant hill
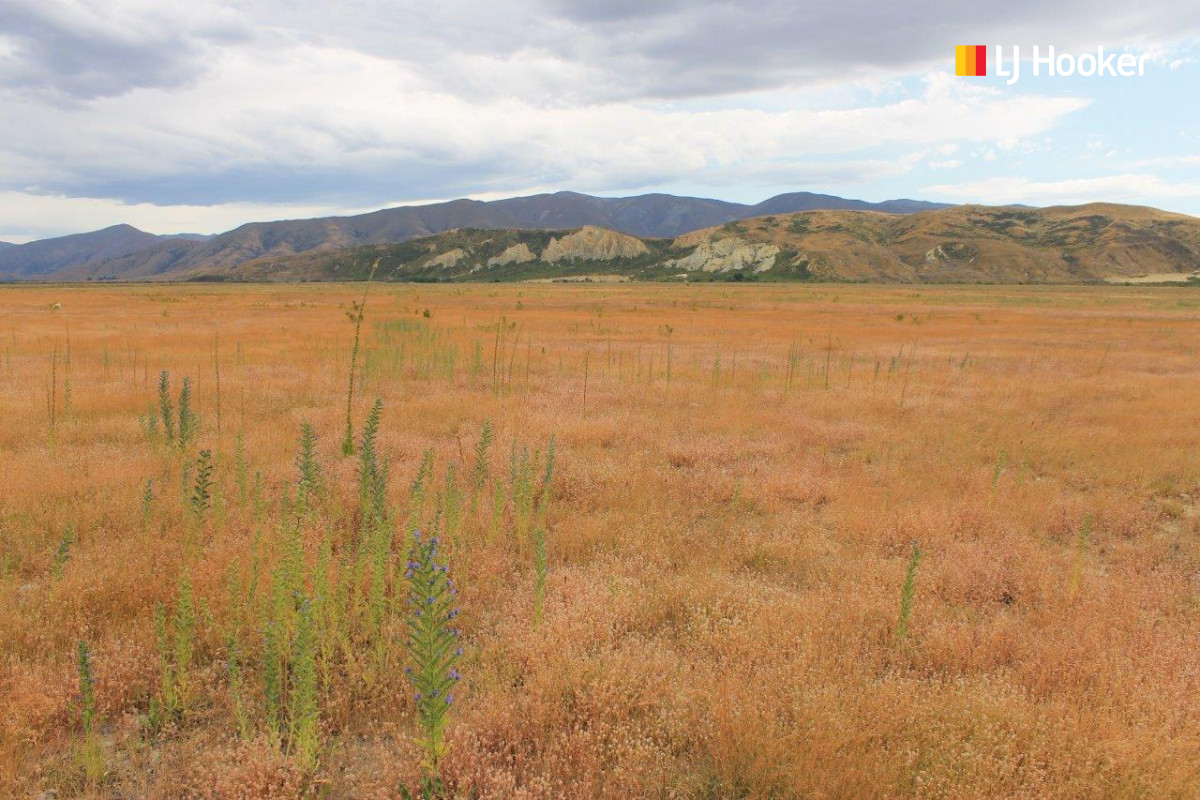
<point x="46" y="256"/>
<point x="961" y="244"/>
<point x="650" y="215"/>
<point x="6" y="244"/>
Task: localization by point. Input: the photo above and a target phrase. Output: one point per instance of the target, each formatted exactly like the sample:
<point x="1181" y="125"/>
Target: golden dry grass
<point x="726" y="547"/>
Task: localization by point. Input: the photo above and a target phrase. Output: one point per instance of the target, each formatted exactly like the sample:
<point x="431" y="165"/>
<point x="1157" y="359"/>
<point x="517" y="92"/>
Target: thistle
<point x="433" y="647"/>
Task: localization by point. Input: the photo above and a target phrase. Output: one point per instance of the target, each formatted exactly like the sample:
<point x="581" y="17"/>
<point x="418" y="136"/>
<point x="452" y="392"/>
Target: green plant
<point x="273" y="678"/>
<point x="479" y="474"/>
<point x="304" y="739"/>
<point x="541" y="570"/>
<point x="311" y="483"/>
<point x="189" y="423"/>
<point x="432" y="644"/>
<point x="908" y="592"/>
<point x="147" y="501"/>
<point x="356" y="314"/>
<point x="91" y="753"/>
<point x="372" y="475"/>
<point x="202" y="492"/>
<point x="165" y="409"/>
<point x="237" y="688"/>
<point x="176" y="638"/>
<point x="63" y="554"/>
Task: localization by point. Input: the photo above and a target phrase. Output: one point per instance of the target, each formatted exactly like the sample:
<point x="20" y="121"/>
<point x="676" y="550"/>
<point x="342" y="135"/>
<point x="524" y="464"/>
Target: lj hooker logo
<point x="970" y="60"/>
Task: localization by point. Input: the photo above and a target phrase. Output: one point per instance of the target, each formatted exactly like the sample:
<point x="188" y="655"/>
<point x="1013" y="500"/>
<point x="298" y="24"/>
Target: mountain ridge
<point x="648" y="215"/>
<point x="1092" y="243"/>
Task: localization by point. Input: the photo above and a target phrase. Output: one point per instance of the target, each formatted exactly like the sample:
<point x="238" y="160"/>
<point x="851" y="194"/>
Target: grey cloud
<point x="87" y="52"/>
<point x="712" y="48"/>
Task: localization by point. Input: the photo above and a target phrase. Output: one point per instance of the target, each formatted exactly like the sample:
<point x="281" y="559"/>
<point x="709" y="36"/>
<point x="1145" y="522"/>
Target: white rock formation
<point x="727" y="255"/>
<point x="448" y="259"/>
<point x="517" y="254"/>
<point x="593" y="244"/>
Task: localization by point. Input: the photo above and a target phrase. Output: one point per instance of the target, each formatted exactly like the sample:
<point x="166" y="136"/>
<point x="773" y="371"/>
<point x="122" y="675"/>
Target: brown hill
<point x="973" y="244"/>
<point x="654" y="215"/>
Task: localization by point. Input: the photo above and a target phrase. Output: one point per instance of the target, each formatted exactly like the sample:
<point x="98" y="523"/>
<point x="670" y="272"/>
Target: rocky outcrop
<point x="517" y="254"/>
<point x="450" y="258"/>
<point x="727" y="255"/>
<point x="593" y="244"/>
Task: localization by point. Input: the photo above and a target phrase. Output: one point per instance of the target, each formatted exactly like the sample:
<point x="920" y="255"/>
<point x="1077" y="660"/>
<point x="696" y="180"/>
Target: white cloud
<point x="317" y="117"/>
<point x="195" y="112"/>
<point x="26" y="216"/>
<point x="1129" y="188"/>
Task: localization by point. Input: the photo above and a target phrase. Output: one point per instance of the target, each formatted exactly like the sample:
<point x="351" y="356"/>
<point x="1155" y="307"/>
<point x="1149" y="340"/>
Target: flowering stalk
<point x="432" y="644"/>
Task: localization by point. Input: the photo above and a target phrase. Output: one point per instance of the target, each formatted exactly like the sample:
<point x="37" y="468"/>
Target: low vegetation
<point x="599" y="541"/>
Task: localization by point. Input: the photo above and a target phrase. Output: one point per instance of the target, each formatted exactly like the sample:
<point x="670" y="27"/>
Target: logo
<point x="970" y="60"/>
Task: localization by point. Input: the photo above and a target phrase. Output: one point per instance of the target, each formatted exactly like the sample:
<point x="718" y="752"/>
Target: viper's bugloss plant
<point x="165" y="409"/>
<point x="372" y="474"/>
<point x="908" y="592"/>
<point x="201" y="499"/>
<point x="311" y="482"/>
<point x="63" y="554"/>
<point x="189" y="423"/>
<point x="541" y="568"/>
<point x="147" y="500"/>
<point x="91" y="754"/>
<point x="479" y="475"/>
<point x="433" y="645"/>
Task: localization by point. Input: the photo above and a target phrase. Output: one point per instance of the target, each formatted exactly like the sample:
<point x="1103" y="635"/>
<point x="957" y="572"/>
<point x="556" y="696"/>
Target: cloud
<point x="217" y="104"/>
<point x="321" y="125"/>
<point x="81" y="50"/>
<point x="1134" y="188"/>
<point x="24" y="216"/>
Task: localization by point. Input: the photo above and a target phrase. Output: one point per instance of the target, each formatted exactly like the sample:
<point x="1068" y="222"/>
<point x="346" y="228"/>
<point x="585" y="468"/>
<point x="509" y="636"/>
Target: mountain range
<point x="124" y="253"/>
<point x="961" y="244"/>
<point x="797" y="236"/>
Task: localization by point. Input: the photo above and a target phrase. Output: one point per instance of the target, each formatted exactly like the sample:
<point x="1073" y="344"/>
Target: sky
<point x="200" y="115"/>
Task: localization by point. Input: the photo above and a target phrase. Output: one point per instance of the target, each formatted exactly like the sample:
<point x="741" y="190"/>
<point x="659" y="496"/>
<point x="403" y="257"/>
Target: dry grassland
<point x="740" y="477"/>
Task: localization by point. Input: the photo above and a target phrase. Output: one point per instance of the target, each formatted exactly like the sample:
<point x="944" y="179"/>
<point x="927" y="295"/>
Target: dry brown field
<point x="702" y="599"/>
